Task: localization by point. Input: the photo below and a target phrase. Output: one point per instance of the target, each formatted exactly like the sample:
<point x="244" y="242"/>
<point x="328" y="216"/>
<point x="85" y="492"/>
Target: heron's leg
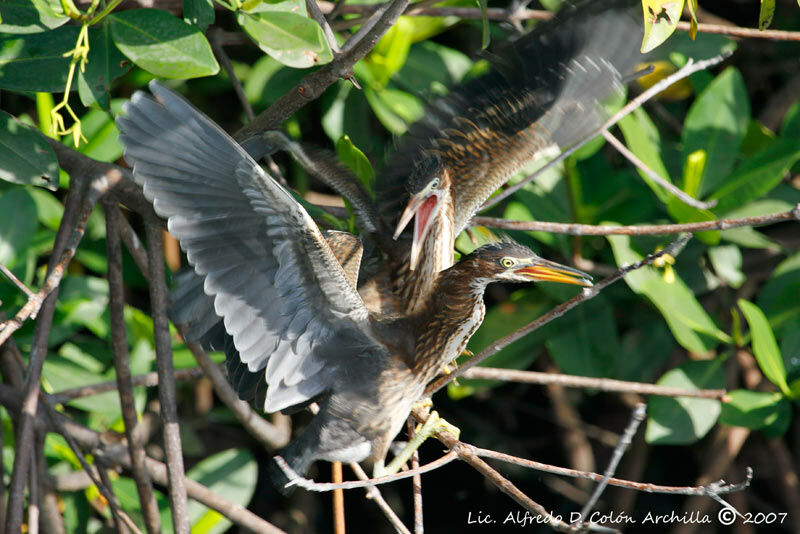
<point x="453" y="365"/>
<point x="433" y="425"/>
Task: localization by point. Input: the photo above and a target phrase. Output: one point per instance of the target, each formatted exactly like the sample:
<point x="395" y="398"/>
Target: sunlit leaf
<point x="765" y="14"/>
<point x="293" y="39"/>
<point x="25" y="156"/>
<point x="750" y="409"/>
<point x="684" y="420"/>
<point x="232" y="473"/>
<point x="660" y="20"/>
<point x="163" y="44"/>
<point x="765" y="348"/>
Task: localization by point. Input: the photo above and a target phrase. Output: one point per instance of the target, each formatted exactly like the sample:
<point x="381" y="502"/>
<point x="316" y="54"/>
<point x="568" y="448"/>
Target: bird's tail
<point x="299" y="455"/>
<point x="584" y="56"/>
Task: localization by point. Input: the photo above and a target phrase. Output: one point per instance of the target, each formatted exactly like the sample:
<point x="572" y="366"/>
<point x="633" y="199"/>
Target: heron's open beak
<point x="549" y="271"/>
<point x="422" y="208"/>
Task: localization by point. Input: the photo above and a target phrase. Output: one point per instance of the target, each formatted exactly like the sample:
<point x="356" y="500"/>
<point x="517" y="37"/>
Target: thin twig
<point x="637" y="417"/>
<point x="269" y="435"/>
<point x="645" y="487"/>
<point x="516" y="15"/>
<point x="416" y="483"/>
<point x="338" y="498"/>
<point x="644" y="229"/>
<point x="586" y="382"/>
<point x="33" y="488"/>
<point x="103" y="487"/>
<point x="310" y="485"/>
<point x="166" y="386"/>
<point x="375" y="495"/>
<point x="639" y="164"/>
<point x="690" y="68"/>
<point x="146" y="380"/>
<point x="16" y="281"/>
<point x="133" y="244"/>
<point x="672" y="249"/>
<point x="76" y="213"/>
<point x="316" y="14"/>
<point x="122" y="366"/>
<point x="219" y="51"/>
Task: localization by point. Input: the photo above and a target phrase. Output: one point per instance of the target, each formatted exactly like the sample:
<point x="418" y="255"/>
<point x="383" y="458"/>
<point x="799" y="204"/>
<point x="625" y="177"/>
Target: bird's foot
<point x="433" y="425"/>
<point x="453" y="365"/>
<point x="422" y="404"/>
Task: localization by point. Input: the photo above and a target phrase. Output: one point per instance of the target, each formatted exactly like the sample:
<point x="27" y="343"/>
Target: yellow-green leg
<point x="433" y="425"/>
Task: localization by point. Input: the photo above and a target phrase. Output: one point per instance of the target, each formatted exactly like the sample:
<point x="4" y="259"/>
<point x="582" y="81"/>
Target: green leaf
<point x="757" y="176"/>
<point x="294" y="40"/>
<point x="686" y="318"/>
<point x="727" y="263"/>
<point x="36" y="62"/>
<point x="791" y="122"/>
<point x="390" y="54"/>
<point x="778" y="298"/>
<point x="684" y="420"/>
<point x="750" y="409"/>
<point x="163" y="44"/>
<point x="25" y="155"/>
<point x="106" y="64"/>
<point x="394" y="108"/>
<point x="232" y="473"/>
<point x="586" y="341"/>
<point x="765" y="347"/>
<point x="431" y="66"/>
<point x="356" y="161"/>
<point x="18" y="225"/>
<point x="717" y="123"/>
<point x="29" y="16"/>
<point x="779" y="422"/>
<point x="200" y="13"/>
<point x="485" y="38"/>
<point x="765" y="14"/>
<point x="660" y="20"/>
<point x="642" y="138"/>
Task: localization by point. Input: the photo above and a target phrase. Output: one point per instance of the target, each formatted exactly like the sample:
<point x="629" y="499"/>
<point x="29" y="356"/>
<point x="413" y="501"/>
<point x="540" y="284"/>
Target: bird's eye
<point x="434" y="183"/>
<point x="507" y="262"/>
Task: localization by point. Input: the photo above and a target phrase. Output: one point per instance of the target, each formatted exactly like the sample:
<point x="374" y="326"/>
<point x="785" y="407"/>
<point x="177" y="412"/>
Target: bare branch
<point x="122" y="366"/>
<point x="159" y="300"/>
<point x="316" y="14"/>
<point x="586" y="382"/>
<point x="16" y="281"/>
<point x="76" y="212"/>
<point x="637" y="417"/>
<point x="644" y="229"/>
<point x="511" y="15"/>
<point x="374" y="494"/>
<point x="147" y="380"/>
<point x="269" y="435"/>
<point x="672" y="249"/>
<point x="638" y="486"/>
<point x="219" y="51"/>
<point x="669" y="186"/>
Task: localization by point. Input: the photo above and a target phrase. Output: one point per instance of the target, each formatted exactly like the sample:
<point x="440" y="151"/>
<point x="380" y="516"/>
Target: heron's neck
<point x="453" y="313"/>
<point x="436" y="256"/>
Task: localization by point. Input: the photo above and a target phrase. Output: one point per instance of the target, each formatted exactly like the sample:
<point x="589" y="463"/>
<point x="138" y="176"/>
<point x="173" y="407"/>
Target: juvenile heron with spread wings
<point x="292" y="323"/>
<point x="545" y="92"/>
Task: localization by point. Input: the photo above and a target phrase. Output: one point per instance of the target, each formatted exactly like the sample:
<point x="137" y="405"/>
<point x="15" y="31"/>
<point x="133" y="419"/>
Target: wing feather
<point x="273" y="279"/>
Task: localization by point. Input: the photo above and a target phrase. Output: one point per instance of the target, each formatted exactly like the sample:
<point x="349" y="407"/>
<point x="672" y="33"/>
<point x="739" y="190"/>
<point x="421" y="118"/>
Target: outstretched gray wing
<point x="275" y="282"/>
